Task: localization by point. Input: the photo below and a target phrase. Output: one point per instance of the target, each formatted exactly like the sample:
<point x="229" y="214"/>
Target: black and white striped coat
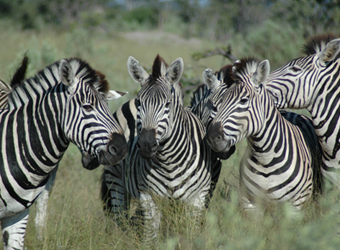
<point x="113" y="190"/>
<point x="312" y="82"/>
<point x="169" y="157"/>
<point x="280" y="159"/>
<point x="63" y="103"/>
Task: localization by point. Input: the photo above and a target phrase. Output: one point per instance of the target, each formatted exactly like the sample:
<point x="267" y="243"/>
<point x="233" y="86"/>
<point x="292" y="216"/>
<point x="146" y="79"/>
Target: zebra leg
<point x="13" y="230"/>
<point x="197" y="209"/>
<point x="41" y="205"/>
<point x="251" y="209"/>
<point x="114" y="193"/>
<point x="151" y="218"/>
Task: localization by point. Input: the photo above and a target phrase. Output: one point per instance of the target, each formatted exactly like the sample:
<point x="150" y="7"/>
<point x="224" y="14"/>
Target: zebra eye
<point x="295" y="69"/>
<point x="244" y="100"/>
<point x="87" y="107"/>
<point x="167" y="104"/>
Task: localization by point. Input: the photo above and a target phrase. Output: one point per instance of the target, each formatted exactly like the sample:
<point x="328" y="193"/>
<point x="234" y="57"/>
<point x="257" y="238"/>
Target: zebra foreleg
<point x="114" y="194"/>
<point x="41" y="205"/>
<point x="13" y="230"/>
<point x="151" y="218"/>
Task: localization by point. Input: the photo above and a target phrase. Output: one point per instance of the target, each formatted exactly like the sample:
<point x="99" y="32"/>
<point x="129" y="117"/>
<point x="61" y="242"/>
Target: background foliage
<point x="105" y="33"/>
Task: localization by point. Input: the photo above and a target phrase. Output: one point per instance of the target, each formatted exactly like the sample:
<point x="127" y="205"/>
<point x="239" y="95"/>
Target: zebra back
<point x="312" y="82"/>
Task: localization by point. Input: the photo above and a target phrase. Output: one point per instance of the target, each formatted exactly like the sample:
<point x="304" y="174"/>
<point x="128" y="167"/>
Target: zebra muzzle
<point x="215" y="138"/>
<point x="147" y="144"/>
<point x="116" y="150"/>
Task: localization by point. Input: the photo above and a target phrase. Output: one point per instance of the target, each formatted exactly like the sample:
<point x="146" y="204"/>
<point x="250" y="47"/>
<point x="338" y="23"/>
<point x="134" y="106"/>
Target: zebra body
<point x="63" y="103"/>
<point x="312" y="82"/>
<point x="169" y="158"/>
<point x="279" y="162"/>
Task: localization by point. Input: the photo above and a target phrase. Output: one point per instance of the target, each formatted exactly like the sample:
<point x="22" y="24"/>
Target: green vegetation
<point x="105" y="37"/>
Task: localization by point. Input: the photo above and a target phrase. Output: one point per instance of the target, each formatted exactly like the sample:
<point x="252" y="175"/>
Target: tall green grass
<point x="75" y="216"/>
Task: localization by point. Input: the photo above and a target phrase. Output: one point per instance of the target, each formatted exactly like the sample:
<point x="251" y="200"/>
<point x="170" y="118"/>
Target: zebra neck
<point x="34" y="132"/>
<point x="272" y="132"/>
<point x="187" y="131"/>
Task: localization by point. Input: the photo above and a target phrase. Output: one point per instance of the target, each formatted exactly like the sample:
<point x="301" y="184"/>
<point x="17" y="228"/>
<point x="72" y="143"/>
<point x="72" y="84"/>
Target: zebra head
<point x="293" y="85"/>
<point x="86" y="119"/>
<point x="156" y="101"/>
<point x="238" y="110"/>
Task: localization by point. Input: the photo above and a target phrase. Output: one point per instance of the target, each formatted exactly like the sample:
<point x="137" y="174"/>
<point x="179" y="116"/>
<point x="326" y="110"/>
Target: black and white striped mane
<point x="20" y="74"/>
<point x="225" y="75"/>
<point x="317" y="43"/>
<point x="49" y="77"/>
<point x="159" y="68"/>
<point x="244" y="67"/>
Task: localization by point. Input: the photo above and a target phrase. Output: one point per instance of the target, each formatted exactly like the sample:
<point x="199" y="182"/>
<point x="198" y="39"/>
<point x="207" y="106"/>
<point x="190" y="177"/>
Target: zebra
<point x="114" y="194"/>
<point x="89" y="162"/>
<point x="65" y="102"/>
<point x="280" y="160"/>
<point x="168" y="157"/>
<point x="113" y="191"/>
<point x="5" y="89"/>
<point x="312" y="82"/>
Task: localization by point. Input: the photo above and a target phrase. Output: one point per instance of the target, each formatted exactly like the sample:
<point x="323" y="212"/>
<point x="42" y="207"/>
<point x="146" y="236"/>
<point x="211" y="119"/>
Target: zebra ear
<point x="66" y="73"/>
<point x="210" y="79"/>
<point x="262" y="72"/>
<point x="175" y="71"/>
<point x="136" y="71"/>
<point x="113" y="94"/>
<point x="330" y="51"/>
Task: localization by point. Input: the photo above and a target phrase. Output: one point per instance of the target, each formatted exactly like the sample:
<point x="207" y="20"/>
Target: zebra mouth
<point x="89" y="161"/>
<point x="115" y="151"/>
<point x="147" y="154"/>
<point x="224" y="155"/>
<point x="222" y="146"/>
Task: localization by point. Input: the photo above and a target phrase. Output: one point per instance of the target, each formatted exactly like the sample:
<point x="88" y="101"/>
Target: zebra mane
<point x="225" y="75"/>
<point x="244" y="67"/>
<point x="20" y="73"/>
<point x="159" y="67"/>
<point x="103" y="85"/>
<point x="317" y="43"/>
<point x="49" y="77"/>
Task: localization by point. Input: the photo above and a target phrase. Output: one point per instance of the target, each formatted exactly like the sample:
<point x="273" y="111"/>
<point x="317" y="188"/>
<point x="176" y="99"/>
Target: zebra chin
<point x="114" y="152"/>
<point x="147" y="154"/>
<point x="223" y="147"/>
<point x="147" y="144"/>
<point x="89" y="161"/>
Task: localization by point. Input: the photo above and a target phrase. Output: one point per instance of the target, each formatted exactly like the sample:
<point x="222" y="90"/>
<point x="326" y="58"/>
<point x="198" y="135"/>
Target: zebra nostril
<point x="112" y="149"/>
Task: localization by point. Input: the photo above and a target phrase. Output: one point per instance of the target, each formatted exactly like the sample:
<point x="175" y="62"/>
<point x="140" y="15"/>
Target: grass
<point x="75" y="216"/>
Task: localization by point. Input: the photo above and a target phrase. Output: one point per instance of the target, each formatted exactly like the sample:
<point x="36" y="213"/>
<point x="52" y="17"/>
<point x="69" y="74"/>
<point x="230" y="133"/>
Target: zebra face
<point x="238" y="112"/>
<point x="291" y="85"/>
<point x="156" y="102"/>
<point x="153" y="119"/>
<point x="87" y="120"/>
